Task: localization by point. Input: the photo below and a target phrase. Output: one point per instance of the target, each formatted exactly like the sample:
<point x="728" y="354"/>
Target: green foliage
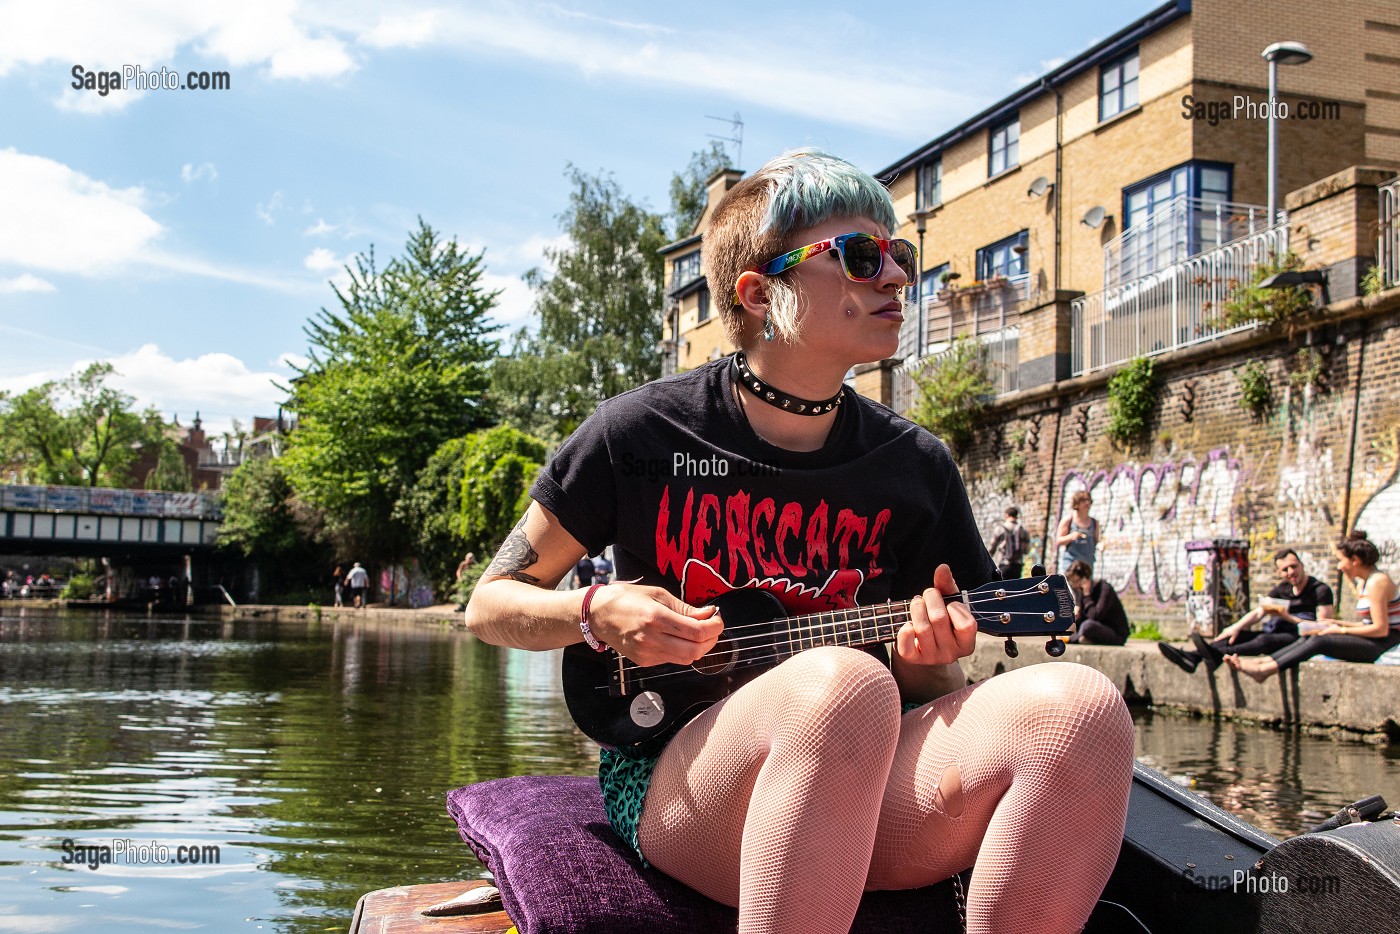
<point x="79" y="587"/>
<point x="264" y="520"/>
<point x="1132" y="392"/>
<point x="499" y="467"/>
<point x="953" y="391"/>
<point x="77" y="431"/>
<point x="171" y="473"/>
<point x="1309" y="372"/>
<point x="1248" y="303"/>
<point x="1015" y="469"/>
<point x="1373" y="283"/>
<point x="598" y="314"/>
<point x="1146" y="630"/>
<point x="433" y="510"/>
<point x="462" y="589"/>
<point x="1256" y="390"/>
<point x="688" y="188"/>
<point x="396" y="371"/>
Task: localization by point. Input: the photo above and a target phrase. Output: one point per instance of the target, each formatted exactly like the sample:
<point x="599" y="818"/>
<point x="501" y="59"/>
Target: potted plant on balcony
<point x="947" y="284"/>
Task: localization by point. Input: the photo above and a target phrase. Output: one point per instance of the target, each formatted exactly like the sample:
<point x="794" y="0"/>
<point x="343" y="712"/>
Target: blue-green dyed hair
<point x="811" y="186"/>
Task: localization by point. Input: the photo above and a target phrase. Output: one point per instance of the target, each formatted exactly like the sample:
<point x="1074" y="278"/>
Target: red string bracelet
<point x="593" y="643"/>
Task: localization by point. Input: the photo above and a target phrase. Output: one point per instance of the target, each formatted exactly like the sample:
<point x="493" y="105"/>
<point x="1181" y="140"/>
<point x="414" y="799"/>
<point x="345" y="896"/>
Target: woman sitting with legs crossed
<point x="1364" y="639"/>
<point x="810" y="784"/>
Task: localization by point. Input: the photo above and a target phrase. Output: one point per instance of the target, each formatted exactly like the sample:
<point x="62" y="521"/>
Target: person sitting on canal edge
<point x="1010" y="542"/>
<point x="1100" y="614"/>
<point x="1362" y="640"/>
<point x="1307" y="599"/>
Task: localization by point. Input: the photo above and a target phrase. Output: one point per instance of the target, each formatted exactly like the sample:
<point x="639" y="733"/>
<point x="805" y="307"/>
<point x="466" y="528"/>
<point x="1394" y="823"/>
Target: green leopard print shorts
<point x="625" y="781"/>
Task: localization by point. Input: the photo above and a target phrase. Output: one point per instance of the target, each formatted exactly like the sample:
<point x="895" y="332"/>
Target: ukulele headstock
<point x="1030" y="606"/>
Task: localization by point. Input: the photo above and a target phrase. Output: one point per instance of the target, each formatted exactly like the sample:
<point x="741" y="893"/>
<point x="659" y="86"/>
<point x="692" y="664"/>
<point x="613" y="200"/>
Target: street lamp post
<point x="1280" y="53"/>
<point x="920" y="219"/>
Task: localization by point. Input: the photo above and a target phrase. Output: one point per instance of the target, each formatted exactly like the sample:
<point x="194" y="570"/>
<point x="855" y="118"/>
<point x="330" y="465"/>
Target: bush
<point x="1132" y="392"/>
<point x="1256" y="391"/>
<point x="953" y="391"/>
<point x="1249" y="304"/>
<point x="79" y="587"/>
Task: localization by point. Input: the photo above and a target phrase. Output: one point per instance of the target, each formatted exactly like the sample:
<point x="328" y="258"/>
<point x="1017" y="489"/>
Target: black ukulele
<point x="621" y="704"/>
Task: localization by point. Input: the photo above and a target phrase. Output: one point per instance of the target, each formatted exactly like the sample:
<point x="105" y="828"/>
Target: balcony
<point x="983" y="310"/>
<point x="1169" y="309"/>
<point x="1388" y="243"/>
<point x="1178" y="230"/>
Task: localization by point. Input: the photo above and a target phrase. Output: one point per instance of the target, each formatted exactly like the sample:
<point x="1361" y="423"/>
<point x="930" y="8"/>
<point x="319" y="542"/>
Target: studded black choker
<point x="776" y="397"/>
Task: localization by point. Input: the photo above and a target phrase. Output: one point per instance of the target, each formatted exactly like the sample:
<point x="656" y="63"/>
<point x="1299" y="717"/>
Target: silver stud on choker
<point x="776" y="397"/>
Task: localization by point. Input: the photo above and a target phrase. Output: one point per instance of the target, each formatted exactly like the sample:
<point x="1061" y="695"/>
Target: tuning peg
<point x="1037" y="570"/>
<point x="1011" y="650"/>
<point x="1054" y="648"/>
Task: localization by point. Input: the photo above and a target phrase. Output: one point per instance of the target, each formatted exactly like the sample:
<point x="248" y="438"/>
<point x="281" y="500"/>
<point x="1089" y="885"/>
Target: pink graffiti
<point x="1147" y="513"/>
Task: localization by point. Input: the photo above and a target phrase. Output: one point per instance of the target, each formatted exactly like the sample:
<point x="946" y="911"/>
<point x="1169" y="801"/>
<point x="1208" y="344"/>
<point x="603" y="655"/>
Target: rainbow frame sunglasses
<point x="862" y="256"/>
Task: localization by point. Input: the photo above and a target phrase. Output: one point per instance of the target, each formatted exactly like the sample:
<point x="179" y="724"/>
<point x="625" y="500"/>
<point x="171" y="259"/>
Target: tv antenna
<point x="736" y="127"/>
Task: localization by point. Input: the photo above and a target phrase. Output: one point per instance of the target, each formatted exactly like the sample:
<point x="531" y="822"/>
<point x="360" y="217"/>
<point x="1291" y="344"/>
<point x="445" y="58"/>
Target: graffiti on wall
<point x="989" y="502"/>
<point x="1148" y="512"/>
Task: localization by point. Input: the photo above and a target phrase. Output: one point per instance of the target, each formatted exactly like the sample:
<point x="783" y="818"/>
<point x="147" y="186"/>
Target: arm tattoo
<point x="514" y="556"/>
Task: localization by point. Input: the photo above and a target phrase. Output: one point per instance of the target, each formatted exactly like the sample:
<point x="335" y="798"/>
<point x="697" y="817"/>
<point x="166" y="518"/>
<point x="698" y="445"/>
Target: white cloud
<point x="322" y="260"/>
<point x="320" y="228"/>
<point x="267" y="212"/>
<point x="90" y="102"/>
<point x="276" y="34"/>
<point x="513" y="305"/>
<point x="26" y="283"/>
<point x="219" y="386"/>
<point x="98" y="228"/>
<point x="194" y="173"/>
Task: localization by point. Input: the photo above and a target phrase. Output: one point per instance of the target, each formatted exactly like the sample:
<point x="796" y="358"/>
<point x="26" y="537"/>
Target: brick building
<point x="1108" y="210"/>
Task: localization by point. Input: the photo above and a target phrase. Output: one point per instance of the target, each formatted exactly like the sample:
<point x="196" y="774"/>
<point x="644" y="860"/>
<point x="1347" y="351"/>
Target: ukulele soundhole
<point x="647" y="709"/>
<point x="719" y="660"/>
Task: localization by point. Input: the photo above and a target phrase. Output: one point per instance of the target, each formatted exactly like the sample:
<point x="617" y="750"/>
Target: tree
<point x="599" y="314"/>
<point x="688" y="188"/>
<point x="397" y="370"/>
<point x="171" y="472"/>
<point x="77" y="431"/>
<point x="264" y="520"/>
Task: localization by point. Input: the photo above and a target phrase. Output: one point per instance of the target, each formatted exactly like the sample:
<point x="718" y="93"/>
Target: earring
<point x="769" y="332"/>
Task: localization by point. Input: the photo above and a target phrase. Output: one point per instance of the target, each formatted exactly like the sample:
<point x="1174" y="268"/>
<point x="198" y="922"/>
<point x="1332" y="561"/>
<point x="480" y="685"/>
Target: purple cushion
<point x="562" y="870"/>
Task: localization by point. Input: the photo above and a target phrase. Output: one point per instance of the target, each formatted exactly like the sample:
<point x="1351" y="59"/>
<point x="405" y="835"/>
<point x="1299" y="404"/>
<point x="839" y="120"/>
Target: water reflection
<point x="315" y="757"/>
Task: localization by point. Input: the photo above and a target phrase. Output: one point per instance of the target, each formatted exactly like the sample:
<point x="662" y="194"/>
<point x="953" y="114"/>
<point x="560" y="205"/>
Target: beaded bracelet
<point x="593" y="643"/>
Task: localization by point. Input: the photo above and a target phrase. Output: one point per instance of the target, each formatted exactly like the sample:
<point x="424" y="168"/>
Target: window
<point x="931" y="281"/>
<point x="930" y="184"/>
<point x="1005" y="257"/>
<point x="1171" y="217"/>
<point x="704" y="311"/>
<point x="685" y="269"/>
<point x="1118" y="86"/>
<point x="1005" y="146"/>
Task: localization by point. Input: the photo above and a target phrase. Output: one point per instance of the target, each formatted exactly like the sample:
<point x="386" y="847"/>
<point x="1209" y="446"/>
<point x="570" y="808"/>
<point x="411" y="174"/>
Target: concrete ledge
<point x="1342" y="697"/>
<point x="444" y="615"/>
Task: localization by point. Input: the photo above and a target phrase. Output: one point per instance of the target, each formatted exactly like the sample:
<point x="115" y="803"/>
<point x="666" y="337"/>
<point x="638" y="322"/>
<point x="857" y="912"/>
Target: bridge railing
<point x="110" y="502"/>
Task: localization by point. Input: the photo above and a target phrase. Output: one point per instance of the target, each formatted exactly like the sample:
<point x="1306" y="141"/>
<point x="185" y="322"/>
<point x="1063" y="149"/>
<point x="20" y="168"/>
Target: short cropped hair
<point x="1284" y="553"/>
<point x="755" y="220"/>
<point x="1013" y="512"/>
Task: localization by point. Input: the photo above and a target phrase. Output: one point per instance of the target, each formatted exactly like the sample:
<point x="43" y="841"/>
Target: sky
<point x="187" y="236"/>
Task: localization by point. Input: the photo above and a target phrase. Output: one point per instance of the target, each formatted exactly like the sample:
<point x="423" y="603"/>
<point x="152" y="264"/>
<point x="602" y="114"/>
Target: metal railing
<point x="110" y="502"/>
<point x="1176" y="307"/>
<point x="1388" y="243"/>
<point x="1178" y="230"/>
<point x="986" y="312"/>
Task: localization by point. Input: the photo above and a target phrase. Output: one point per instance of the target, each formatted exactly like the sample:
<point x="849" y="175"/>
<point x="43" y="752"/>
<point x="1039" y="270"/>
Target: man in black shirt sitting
<point x="1297" y="598"/>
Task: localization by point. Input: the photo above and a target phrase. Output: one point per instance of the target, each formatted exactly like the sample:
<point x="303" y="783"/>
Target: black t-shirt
<point x="694" y="501"/>
<point x="1314" y="594"/>
<point x="584" y="571"/>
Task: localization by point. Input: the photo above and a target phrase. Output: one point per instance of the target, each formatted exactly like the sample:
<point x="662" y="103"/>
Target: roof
<point x="1108" y="49"/>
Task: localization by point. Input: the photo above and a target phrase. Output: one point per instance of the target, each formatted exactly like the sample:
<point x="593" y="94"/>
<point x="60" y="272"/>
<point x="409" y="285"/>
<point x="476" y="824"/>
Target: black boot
<point x="1209" y="653"/>
<point x="1180" y="659"/>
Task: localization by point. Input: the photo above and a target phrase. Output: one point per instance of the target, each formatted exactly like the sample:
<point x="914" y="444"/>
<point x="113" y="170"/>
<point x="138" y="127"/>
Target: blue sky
<point x="187" y="236"/>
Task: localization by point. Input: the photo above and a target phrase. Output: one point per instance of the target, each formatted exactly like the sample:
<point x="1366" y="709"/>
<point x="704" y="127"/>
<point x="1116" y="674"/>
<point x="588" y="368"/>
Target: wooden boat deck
<point x="397" y="911"/>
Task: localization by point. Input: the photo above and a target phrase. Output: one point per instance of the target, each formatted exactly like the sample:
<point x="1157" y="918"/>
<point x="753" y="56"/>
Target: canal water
<point x="255" y="776"/>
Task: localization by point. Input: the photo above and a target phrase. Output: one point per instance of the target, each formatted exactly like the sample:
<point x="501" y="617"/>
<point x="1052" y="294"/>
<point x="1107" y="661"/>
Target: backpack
<point x="1017" y="543"/>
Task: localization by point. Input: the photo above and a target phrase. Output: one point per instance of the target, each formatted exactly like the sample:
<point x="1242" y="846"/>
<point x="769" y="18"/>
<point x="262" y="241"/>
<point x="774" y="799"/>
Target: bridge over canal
<point x="103" y="522"/>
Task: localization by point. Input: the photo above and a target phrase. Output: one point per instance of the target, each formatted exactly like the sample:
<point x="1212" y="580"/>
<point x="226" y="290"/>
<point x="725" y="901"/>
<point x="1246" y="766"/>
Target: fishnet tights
<point x="767" y="800"/>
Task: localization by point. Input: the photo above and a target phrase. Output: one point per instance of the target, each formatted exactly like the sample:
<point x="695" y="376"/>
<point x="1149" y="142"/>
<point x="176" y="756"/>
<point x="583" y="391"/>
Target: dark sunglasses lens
<point x="904" y="254"/>
<point x="862" y="257"/>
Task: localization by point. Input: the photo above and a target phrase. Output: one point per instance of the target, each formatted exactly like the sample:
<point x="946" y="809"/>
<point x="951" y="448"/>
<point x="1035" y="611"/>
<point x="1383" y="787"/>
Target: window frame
<point x="1010" y="149"/>
<point x="986" y="257"/>
<point x="924" y="197"/>
<point x="689" y="263"/>
<point x="1116" y="68"/>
